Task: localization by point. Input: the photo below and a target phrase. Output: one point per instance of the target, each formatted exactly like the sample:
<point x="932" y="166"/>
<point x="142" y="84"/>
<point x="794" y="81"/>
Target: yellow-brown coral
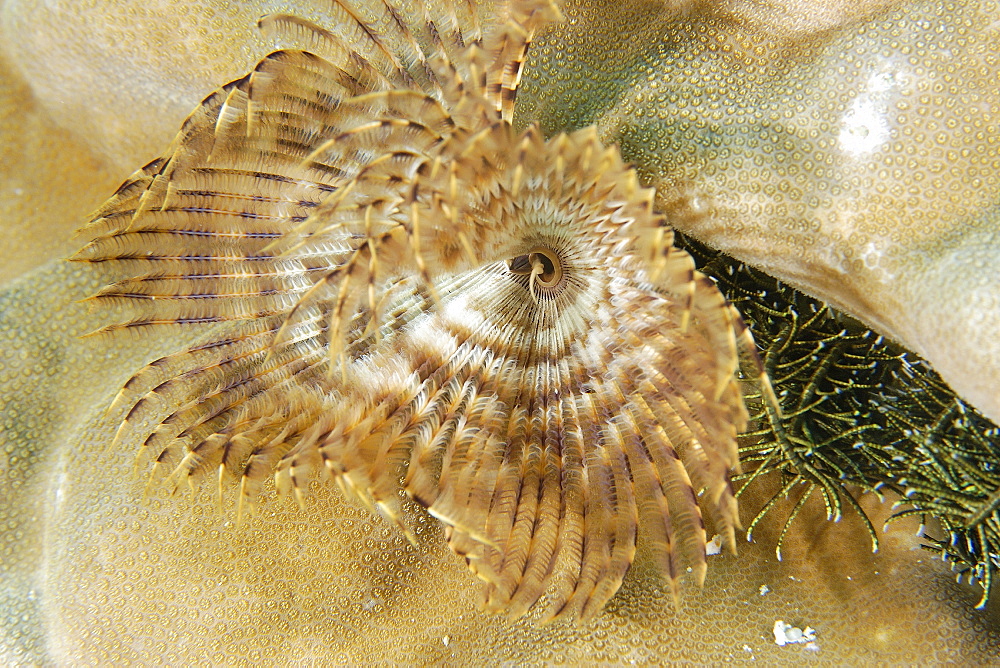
<point x="93" y="573"/>
<point x="404" y="287"/>
<point x="854" y="159"/>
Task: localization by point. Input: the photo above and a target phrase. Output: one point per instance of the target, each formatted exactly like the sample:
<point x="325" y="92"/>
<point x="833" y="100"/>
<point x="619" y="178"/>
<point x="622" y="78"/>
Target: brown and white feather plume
<point x="400" y="290"/>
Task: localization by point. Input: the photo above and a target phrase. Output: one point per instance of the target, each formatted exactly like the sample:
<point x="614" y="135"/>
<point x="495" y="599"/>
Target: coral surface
<point x="91" y="571"/>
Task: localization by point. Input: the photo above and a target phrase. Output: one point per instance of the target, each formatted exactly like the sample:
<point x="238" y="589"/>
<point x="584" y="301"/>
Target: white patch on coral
<point x="865" y="126"/>
<point x="786" y="634"/>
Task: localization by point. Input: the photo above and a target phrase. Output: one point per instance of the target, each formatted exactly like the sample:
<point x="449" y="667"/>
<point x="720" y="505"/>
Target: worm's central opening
<point x="542" y="266"/>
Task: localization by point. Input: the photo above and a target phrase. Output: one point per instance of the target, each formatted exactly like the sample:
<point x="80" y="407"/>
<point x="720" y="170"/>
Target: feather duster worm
<point x="406" y="293"/>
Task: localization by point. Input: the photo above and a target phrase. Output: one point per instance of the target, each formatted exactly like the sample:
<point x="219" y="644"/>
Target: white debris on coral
<point x="714" y="546"/>
<point x="786" y="634"/>
<point x="764" y="589"/>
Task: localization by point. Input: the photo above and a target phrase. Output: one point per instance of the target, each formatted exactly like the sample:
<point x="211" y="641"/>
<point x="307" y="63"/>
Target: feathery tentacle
<point x="398" y="289"/>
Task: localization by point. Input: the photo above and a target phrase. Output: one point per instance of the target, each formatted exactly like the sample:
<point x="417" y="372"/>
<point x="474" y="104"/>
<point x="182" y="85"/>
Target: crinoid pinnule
<point x="405" y="290"/>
